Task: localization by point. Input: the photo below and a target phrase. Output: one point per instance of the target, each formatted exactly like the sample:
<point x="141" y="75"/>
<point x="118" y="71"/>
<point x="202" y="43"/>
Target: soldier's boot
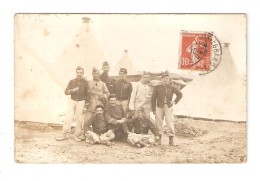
<point x="61" y="137"/>
<point x="173" y="141"/>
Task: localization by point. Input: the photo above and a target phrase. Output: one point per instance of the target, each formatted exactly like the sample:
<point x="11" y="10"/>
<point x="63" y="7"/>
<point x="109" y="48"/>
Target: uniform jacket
<point x="123" y="90"/>
<point x="164" y="91"/>
<point x="141" y="96"/>
<point x="110" y="83"/>
<point x="98" y="94"/>
<point x="112" y="114"/>
<point x="99" y="124"/>
<point x="82" y="93"/>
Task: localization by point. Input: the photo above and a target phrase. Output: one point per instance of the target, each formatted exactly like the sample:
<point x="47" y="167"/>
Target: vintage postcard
<point x="130" y="88"/>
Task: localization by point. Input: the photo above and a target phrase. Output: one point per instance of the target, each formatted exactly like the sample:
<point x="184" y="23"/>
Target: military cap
<point x="123" y="70"/>
<point x="95" y="69"/>
<point x="165" y="74"/>
<point x="79" y="68"/>
<point x="105" y="63"/>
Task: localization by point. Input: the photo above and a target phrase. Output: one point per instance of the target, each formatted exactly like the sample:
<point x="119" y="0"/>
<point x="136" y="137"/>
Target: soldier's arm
<point x="130" y="89"/>
<point x="113" y="82"/>
<point x="108" y="117"/>
<point x="69" y="88"/>
<point x="87" y="100"/>
<point x="105" y="91"/>
<point x="132" y="98"/>
<point x="153" y="100"/>
<point x="178" y="95"/>
<point x="123" y="112"/>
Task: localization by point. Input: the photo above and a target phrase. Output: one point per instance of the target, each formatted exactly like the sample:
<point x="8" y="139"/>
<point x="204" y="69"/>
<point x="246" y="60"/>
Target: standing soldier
<point x="123" y="89"/>
<point x="162" y="104"/>
<point x="110" y="83"/>
<point x="98" y="93"/>
<point x="142" y="95"/>
<point x="78" y="90"/>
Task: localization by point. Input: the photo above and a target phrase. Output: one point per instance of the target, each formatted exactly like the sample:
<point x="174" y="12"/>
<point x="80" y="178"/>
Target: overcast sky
<point x="152" y="40"/>
<point x="155" y="39"/>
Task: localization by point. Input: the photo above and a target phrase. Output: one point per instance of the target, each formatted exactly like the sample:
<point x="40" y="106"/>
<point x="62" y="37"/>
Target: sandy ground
<point x="222" y="142"/>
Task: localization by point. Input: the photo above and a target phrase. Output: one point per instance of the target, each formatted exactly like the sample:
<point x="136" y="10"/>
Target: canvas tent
<point x="218" y="95"/>
<point x="46" y="55"/>
<point x="126" y="62"/>
<point x="83" y="50"/>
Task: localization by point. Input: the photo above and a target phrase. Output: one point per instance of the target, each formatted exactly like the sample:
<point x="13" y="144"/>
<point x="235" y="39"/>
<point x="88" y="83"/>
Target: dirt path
<point x="225" y="142"/>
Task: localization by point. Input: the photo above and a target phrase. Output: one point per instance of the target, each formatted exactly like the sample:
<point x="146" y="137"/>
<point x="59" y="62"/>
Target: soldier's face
<point x="96" y="75"/>
<point x="99" y="111"/>
<point x="112" y="101"/>
<point x="166" y="80"/>
<point x="80" y="73"/>
<point x="122" y="75"/>
<point x="146" y="79"/>
<point x="105" y="69"/>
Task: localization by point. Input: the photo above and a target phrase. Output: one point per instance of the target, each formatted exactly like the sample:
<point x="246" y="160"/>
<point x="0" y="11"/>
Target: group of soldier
<point x="106" y="109"/>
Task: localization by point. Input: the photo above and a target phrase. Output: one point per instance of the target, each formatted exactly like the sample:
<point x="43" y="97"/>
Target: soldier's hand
<point x="172" y="103"/>
<point x="75" y="89"/>
<point x="84" y="110"/>
<point x="86" y="105"/>
<point x="157" y="137"/>
<point x="108" y="133"/>
<point x="121" y="120"/>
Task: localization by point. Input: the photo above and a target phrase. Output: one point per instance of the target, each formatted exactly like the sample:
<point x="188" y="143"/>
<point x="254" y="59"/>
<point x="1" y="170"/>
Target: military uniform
<point x="78" y="101"/>
<point x="112" y="114"/>
<point x="142" y="126"/>
<point x="141" y="97"/>
<point x="123" y="90"/>
<point x="98" y="96"/>
<point x="110" y="83"/>
<point x="162" y="104"/>
<point x="100" y="133"/>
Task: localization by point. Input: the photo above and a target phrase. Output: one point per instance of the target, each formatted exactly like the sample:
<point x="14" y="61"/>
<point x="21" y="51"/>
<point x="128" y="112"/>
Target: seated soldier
<point x="100" y="134"/>
<point x="116" y="116"/>
<point x="141" y="126"/>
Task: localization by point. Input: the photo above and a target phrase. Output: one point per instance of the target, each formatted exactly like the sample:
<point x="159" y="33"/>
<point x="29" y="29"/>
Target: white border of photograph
<point x="9" y="170"/>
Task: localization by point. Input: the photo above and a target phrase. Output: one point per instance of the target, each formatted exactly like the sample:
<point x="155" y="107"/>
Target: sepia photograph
<point x="130" y="88"/>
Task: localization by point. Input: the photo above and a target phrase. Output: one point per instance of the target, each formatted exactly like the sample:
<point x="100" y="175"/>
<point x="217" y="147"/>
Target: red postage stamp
<point x="199" y="51"/>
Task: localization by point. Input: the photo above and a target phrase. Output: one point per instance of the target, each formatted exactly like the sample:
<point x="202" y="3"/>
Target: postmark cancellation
<point x="199" y="51"/>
